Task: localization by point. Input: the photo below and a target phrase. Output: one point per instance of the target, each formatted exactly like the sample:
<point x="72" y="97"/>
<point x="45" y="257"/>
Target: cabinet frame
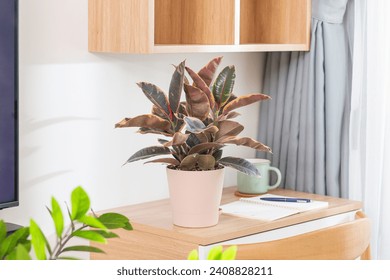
<point x="128" y="26"/>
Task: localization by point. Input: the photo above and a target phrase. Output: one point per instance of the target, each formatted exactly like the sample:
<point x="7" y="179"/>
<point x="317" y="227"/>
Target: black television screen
<point x="8" y="103"/>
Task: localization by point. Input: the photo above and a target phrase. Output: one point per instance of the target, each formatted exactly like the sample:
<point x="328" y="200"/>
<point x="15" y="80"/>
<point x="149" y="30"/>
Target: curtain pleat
<point x="306" y="122"/>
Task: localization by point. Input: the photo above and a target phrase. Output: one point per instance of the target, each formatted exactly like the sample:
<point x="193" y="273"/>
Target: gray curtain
<point x="306" y="122"/>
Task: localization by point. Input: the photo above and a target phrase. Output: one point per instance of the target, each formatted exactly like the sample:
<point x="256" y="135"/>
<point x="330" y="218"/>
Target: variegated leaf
<point x="241" y="165"/>
<point x="201" y="84"/>
<point x="148" y="153"/>
<point x="223" y="85"/>
<point x="170" y="161"/>
<point x="198" y="105"/>
<point x="145" y="130"/>
<point x="230" y="115"/>
<point x="157" y="96"/>
<point x="148" y="121"/>
<point x="208" y="71"/>
<point x="245" y="141"/>
<point x="245" y="100"/>
<point x="194" y="125"/>
<point x="228" y="128"/>
<point x="176" y="87"/>
<point x="204" y="147"/>
<point x="178" y="139"/>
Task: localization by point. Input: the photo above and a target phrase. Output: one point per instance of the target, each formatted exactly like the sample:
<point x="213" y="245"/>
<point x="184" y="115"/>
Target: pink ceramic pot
<point x="195" y="196"/>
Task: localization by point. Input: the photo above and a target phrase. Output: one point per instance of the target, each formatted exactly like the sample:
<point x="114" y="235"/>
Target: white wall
<point x="70" y="100"/>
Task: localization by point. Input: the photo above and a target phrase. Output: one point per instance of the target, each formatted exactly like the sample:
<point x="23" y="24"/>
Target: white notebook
<point x="255" y="208"/>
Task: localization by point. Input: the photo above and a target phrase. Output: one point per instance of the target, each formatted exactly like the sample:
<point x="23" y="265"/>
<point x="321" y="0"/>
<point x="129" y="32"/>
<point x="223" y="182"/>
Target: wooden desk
<point x="155" y="237"/>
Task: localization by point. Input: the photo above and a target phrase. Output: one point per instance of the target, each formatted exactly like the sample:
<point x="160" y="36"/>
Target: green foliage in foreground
<point x="216" y="253"/>
<point x="18" y="245"/>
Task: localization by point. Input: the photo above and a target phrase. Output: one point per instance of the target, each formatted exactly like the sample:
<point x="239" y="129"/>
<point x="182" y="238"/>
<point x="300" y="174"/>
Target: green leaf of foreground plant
<point x="114" y="221"/>
<point x="92" y="222"/>
<point x="193" y="255"/>
<point x="215" y="253"/>
<point x="38" y="241"/>
<point x="11" y="241"/>
<point x="58" y="218"/>
<point x="230" y="253"/>
<point x="21" y="253"/>
<point x="176" y="87"/>
<point x="82" y="249"/>
<point x="90" y="235"/>
<point x="107" y="234"/>
<point x="241" y="165"/>
<point x="223" y="86"/>
<point x="148" y="153"/>
<point x="3" y="231"/>
<point x="80" y="203"/>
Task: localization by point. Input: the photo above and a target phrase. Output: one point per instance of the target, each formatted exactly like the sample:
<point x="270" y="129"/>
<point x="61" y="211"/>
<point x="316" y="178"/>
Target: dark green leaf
<point x="113" y="220"/>
<point x="176" y="87"/>
<point x="157" y="96"/>
<point x="148" y="153"/>
<point x="90" y="235"/>
<point x="241" y="165"/>
<point x="38" y="241"/>
<point x="207" y="72"/>
<point x="192" y="140"/>
<point x="82" y="249"/>
<point x="80" y="203"/>
<point x="194" y="125"/>
<point x="218" y="154"/>
<point x="223" y="86"/>
<point x="107" y="234"/>
<point x="92" y="222"/>
<point x="128" y="226"/>
<point x="198" y="104"/>
<point x="58" y="218"/>
<point x="148" y="121"/>
<point x="162" y="141"/>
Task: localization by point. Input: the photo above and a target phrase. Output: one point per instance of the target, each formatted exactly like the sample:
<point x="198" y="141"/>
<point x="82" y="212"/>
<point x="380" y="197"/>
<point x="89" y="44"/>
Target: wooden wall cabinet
<point x="165" y="26"/>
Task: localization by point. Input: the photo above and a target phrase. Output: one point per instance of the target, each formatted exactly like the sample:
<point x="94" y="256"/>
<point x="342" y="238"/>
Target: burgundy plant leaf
<point x="157" y="97"/>
<point x="201" y="84"/>
<point x="208" y="71"/>
<point x="242" y="101"/>
<point x="148" y="121"/>
<point x="198" y="105"/>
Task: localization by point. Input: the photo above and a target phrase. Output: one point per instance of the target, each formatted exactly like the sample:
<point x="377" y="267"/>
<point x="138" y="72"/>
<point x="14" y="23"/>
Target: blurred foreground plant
<point x="216" y="253"/>
<point x="18" y="245"/>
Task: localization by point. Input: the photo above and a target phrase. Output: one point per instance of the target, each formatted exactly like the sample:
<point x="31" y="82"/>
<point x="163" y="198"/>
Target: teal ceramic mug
<point x="254" y="185"/>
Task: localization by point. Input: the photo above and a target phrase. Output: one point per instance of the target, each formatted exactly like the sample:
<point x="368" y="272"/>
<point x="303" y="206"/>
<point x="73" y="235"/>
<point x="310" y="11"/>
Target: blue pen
<point x="286" y="199"/>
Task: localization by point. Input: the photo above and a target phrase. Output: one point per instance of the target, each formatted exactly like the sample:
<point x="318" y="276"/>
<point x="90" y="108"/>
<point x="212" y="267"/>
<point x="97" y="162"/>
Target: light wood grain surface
<point x="155" y="218"/>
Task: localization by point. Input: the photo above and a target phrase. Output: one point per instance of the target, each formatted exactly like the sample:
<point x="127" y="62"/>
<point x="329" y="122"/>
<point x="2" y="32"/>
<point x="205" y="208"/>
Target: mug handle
<point x="278" y="181"/>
